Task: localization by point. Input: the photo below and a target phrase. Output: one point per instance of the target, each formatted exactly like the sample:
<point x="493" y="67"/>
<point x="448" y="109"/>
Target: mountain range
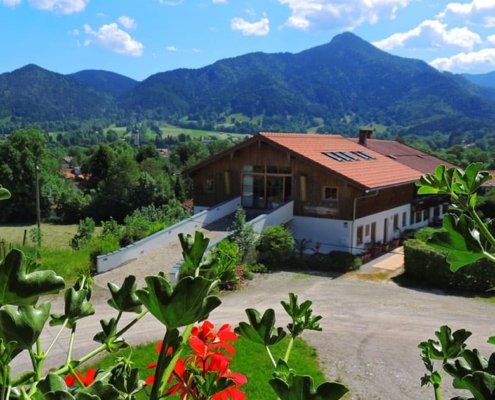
<point x="346" y="81"/>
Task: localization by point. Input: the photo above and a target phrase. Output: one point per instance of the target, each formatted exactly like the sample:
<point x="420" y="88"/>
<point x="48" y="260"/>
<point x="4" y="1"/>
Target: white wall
<point x="336" y="234"/>
<point x="332" y="234"/>
<point x="132" y="252"/>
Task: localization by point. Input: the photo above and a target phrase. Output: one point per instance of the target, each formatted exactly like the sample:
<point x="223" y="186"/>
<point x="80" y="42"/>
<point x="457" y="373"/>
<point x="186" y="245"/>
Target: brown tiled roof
<point x="379" y="172"/>
<point x="406" y="155"/>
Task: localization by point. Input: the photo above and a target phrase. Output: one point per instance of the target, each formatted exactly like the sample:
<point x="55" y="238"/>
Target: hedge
<point x="428" y="266"/>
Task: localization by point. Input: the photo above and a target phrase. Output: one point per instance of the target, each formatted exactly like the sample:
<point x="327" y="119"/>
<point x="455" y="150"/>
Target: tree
<point x="21" y="154"/>
<point x="97" y="167"/>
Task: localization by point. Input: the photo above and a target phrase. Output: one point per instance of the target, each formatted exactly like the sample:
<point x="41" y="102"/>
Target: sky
<point x="139" y="38"/>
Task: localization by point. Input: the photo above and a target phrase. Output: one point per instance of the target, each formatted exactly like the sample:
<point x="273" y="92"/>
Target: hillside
<point x="338" y="86"/>
<point x="487" y="80"/>
<point x="33" y="94"/>
<point x="105" y="81"/>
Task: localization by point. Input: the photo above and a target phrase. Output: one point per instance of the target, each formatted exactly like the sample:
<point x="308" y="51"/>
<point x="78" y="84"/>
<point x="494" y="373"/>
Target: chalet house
<point x="429" y="208"/>
<point x="345" y="195"/>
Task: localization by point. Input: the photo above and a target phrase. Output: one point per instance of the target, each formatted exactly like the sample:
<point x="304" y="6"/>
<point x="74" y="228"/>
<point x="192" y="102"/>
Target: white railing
<point x="277" y="216"/>
<point x="107" y="262"/>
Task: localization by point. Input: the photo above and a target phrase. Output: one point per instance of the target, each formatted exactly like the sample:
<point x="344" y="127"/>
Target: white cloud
<point x="476" y="12"/>
<point x="60" y="6"/>
<point x="111" y="38"/>
<point x="10" y="3"/>
<point x="250" y="11"/>
<point x="479" y="61"/>
<point x="74" y="32"/>
<point x="196" y="50"/>
<point x="172" y="48"/>
<point x="339" y="14"/>
<point x="219" y="1"/>
<point x="172" y="3"/>
<point x="128" y="22"/>
<point x="491" y="39"/>
<point x="260" y="28"/>
<point x="431" y="33"/>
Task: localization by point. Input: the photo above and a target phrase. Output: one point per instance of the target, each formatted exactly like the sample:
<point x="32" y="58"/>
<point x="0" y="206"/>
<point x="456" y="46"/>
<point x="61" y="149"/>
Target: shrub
<point x="243" y="236"/>
<point x="343" y="261"/>
<point x="101" y="245"/>
<point x="276" y="243"/>
<point x="85" y="231"/>
<point x="427" y="266"/>
<point x="425" y="233"/>
<point x="113" y="228"/>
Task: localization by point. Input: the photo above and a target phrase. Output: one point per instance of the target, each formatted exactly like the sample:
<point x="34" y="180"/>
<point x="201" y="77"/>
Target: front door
<point x="265" y="191"/>
<point x="373" y="232"/>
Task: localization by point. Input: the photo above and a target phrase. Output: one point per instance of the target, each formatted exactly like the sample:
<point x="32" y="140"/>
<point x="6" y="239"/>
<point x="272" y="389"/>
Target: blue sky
<point x="138" y="38"/>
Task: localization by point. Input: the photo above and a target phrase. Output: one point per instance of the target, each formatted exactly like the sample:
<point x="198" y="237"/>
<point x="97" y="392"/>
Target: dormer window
<point x="329" y="193"/>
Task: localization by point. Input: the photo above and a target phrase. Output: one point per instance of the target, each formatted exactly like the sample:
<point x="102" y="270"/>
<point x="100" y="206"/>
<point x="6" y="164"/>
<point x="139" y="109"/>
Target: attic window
<point x="364" y="155"/>
<point x="392" y="157"/>
<point x="419" y="155"/>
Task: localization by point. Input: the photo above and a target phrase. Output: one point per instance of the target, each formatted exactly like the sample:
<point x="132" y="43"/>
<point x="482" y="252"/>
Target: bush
<point x="276" y="244"/>
<point x="425" y="233"/>
<point x="335" y="261"/>
<point x="427" y="266"/>
<point x="85" y="232"/>
<point x="101" y="245"/>
<point x="243" y="236"/>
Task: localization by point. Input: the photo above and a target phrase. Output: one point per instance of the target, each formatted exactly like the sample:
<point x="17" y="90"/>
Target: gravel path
<point x="371" y="329"/>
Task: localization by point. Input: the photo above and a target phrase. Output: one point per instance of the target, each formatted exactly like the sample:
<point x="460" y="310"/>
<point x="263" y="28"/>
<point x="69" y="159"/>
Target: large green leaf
<point x="301" y="388"/>
<point x="4" y="193"/>
<point x="449" y="345"/>
<point x="124" y="299"/>
<point x="261" y="329"/>
<point x="53" y="387"/>
<point x="189" y="301"/>
<point x="460" y="238"/>
<point x="193" y="249"/>
<point x="20" y="284"/>
<point x="23" y="324"/>
<point x="76" y="307"/>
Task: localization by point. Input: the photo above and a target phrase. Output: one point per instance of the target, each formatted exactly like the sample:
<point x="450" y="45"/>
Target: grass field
<point x="54" y="236"/>
<point x="250" y="359"/>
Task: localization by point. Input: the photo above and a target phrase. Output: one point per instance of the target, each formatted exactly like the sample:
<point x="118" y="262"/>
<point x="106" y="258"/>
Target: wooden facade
<point x="272" y="175"/>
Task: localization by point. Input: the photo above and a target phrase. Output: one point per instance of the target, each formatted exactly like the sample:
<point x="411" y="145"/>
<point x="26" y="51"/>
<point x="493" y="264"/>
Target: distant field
<point x="54" y="236"/>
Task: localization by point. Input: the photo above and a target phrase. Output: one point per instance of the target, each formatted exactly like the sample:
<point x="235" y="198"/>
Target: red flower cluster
<point x="207" y="357"/>
<point x="87" y="380"/>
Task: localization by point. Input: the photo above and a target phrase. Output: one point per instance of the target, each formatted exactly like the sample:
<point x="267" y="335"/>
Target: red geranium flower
<point x="87" y="380"/>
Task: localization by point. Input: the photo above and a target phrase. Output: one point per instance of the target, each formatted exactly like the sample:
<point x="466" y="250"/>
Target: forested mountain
<point x="487" y="80"/>
<point x="336" y="86"/>
<point x="33" y="94"/>
<point x="105" y="81"/>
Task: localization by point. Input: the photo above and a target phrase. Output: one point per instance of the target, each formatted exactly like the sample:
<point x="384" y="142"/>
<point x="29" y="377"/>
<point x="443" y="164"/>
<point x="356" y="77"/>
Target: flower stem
<point x="271" y="356"/>
<point x="56" y="337"/>
<point x="71" y="343"/>
<point x="289" y="349"/>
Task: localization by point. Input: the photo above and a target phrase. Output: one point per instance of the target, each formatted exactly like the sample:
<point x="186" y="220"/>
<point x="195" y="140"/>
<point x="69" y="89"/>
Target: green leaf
<point x="189" y="301"/>
<point x="53" y="387"/>
<point x="449" y="345"/>
<point x="20" y="285"/>
<point x="76" y="307"/>
<point x="124" y="299"/>
<point x="480" y="384"/>
<point x="301" y="315"/>
<point x="23" y="324"/>
<point x="261" y="330"/>
<point x="4" y="193"/>
<point x="98" y="390"/>
<point x="460" y="238"/>
<point x="193" y="250"/>
<point x="107" y="336"/>
<point x="301" y="388"/>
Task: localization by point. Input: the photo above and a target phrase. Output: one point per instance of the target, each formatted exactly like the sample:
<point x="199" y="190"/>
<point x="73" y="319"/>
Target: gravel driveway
<point x="371" y="329"/>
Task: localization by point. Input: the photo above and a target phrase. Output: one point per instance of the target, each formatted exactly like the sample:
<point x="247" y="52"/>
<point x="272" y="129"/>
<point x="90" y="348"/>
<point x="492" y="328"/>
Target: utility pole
<point x="38" y="211"/>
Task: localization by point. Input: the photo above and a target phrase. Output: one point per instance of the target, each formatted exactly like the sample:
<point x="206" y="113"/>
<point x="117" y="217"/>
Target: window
<point x="209" y="185"/>
<point x="404" y="218"/>
<point x="445" y="209"/>
<point x="367" y="230"/>
<point x="417" y="216"/>
<point x="359" y="235"/>
<point x="396" y="222"/>
<point x="330" y="193"/>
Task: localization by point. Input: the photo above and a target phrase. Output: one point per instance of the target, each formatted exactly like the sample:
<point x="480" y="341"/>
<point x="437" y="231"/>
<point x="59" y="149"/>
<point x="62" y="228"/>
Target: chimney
<point x="364" y="134"/>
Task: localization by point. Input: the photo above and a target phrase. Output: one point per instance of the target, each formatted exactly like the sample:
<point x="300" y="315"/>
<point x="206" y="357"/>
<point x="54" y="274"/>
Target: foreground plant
<point x="204" y="375"/>
<point x="467" y="239"/>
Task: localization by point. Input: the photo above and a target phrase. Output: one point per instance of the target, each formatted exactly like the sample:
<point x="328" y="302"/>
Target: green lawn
<point x="250" y="359"/>
<point x="54" y="236"/>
